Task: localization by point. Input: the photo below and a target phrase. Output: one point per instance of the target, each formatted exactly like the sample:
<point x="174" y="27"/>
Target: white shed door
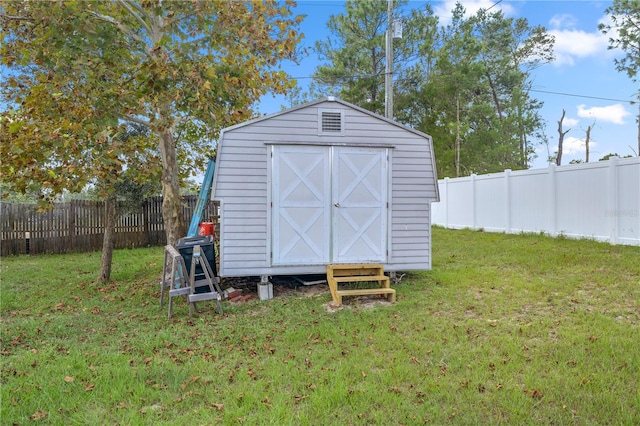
<point x="301" y="205"/>
<point x="359" y="205"/>
<point x="329" y="205"/>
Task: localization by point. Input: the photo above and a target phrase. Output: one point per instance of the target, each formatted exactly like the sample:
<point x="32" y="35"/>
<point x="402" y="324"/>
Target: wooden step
<point x="368" y="292"/>
<point x="351" y="273"/>
<point x="365" y="278"/>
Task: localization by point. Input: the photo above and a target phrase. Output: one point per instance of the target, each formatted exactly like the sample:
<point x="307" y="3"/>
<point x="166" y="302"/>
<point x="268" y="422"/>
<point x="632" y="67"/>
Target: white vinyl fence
<point x="599" y="200"/>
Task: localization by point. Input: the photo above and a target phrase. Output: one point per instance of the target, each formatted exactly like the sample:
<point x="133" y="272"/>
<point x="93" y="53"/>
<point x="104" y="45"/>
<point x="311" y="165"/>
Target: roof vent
<point x="331" y="122"/>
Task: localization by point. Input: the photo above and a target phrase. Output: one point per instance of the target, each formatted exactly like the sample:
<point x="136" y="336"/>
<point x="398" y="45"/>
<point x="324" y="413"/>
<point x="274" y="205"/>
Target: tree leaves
<point x="465" y="84"/>
<point x="163" y="65"/>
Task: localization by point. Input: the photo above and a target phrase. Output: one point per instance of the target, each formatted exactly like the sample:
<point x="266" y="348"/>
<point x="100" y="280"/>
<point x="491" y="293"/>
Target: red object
<point x="206" y="228"/>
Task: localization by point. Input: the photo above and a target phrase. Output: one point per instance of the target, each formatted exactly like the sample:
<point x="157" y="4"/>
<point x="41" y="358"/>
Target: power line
<point x="629" y="101"/>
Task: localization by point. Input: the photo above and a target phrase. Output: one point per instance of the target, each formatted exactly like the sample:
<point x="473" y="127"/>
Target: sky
<point x="582" y="79"/>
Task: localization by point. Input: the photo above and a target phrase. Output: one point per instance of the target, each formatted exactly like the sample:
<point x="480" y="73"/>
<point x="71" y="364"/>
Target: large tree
<point x="467" y="83"/>
<point x="77" y="70"/>
<point x="476" y="95"/>
<point x="624" y="31"/>
<point x="353" y="53"/>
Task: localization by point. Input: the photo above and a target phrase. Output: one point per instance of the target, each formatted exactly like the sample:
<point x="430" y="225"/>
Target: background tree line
<point x="465" y="83"/>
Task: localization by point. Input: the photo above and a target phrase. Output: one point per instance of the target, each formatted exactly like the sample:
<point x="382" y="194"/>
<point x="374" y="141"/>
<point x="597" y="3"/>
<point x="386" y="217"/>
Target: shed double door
<point x="329" y="205"/>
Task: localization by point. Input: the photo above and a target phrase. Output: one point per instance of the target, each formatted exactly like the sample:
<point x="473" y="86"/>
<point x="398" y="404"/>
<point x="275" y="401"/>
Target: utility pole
<point x="388" y="75"/>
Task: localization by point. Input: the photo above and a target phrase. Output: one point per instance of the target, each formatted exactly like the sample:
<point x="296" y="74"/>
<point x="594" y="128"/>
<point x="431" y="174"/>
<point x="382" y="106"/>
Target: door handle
<point x="337" y="204"/>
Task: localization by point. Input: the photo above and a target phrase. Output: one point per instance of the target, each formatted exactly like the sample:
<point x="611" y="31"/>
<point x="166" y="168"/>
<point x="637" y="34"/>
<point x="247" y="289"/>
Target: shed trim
<point x="348" y="144"/>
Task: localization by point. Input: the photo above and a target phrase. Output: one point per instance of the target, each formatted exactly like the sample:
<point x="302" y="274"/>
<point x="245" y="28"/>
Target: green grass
<point x="506" y="329"/>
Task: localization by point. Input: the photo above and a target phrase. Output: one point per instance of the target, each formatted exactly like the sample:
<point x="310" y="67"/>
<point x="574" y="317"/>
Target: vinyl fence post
<point x="613" y="211"/>
<point x="473" y="202"/>
<point x="446" y="202"/>
<point x="507" y="199"/>
<point x="553" y="201"/>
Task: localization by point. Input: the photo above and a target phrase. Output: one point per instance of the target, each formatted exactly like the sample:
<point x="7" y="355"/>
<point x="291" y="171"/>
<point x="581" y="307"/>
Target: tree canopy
<point x="78" y="71"/>
<point x="467" y="83"/>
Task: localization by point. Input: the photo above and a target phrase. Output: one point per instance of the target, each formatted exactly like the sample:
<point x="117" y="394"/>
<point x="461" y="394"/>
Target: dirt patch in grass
<point x="289" y="286"/>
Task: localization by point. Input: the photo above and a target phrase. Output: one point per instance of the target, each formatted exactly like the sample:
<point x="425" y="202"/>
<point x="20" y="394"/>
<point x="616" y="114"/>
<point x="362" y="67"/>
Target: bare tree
<point x="561" y="135"/>
<point x="586" y="143"/>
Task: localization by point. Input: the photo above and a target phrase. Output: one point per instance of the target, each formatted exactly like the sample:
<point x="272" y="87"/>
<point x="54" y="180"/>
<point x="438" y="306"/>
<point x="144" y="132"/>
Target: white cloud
<point x="612" y="114"/>
<point x="570" y="122"/>
<point x="572" y="43"/>
<point x="572" y="146"/>
<point x="443" y="9"/>
<point x="563" y="21"/>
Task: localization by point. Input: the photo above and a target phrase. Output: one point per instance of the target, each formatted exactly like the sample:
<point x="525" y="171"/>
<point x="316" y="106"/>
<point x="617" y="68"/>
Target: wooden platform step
<point x="352" y="273"/>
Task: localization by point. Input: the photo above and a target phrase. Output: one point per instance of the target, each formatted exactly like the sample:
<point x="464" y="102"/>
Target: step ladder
<point x="176" y="280"/>
<point x="352" y="273"/>
<point x="205" y="278"/>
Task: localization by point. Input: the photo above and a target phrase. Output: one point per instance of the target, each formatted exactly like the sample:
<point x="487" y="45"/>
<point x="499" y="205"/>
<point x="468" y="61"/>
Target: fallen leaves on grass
<point x="299" y="398"/>
<point x="69" y="379"/>
<point x="39" y="415"/>
<point x="534" y="393"/>
<point x="266" y="401"/>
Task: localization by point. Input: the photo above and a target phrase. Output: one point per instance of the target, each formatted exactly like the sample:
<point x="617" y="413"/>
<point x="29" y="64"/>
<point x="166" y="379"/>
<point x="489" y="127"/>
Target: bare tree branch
<point x="128" y="6"/>
<point x="15" y="18"/>
<point x="137" y="120"/>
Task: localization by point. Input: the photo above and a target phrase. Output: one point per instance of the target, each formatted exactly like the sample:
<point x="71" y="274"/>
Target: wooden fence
<point x="78" y="226"/>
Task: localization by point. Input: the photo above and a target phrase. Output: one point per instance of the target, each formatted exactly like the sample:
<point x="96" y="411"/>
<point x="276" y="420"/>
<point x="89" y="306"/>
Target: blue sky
<point x="582" y="79"/>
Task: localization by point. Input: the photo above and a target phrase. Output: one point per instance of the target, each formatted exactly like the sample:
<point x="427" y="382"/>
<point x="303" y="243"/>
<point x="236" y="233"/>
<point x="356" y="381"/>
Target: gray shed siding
<point x="242" y="186"/>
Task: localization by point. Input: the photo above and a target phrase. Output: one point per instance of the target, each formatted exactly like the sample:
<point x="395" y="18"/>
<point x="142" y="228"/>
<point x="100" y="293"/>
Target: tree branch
<point x="128" y="6"/>
<point x="137" y="120"/>
<point x="126" y="30"/>
<point x="15" y="18"/>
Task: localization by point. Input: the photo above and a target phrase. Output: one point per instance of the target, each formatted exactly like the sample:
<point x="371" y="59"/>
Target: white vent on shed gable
<point x="331" y="122"/>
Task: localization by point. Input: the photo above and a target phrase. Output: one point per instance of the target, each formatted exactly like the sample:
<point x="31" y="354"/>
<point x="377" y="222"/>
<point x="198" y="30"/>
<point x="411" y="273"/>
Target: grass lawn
<point x="506" y="329"/>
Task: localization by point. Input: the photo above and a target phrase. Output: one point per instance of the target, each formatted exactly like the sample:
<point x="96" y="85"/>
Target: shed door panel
<point x="359" y="205"/>
<point x="301" y="205"/>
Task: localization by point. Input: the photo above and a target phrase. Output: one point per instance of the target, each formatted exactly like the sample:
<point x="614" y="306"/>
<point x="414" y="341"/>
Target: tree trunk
<point x="171" y="202"/>
<point x="561" y="135"/>
<point x="524" y="160"/>
<point x="586" y="143"/>
<point x="496" y="99"/>
<point x="109" y="238"/>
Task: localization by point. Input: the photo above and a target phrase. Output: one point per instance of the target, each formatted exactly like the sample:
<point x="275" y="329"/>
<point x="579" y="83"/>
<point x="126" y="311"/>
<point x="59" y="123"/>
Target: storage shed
<point x="323" y="183"/>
